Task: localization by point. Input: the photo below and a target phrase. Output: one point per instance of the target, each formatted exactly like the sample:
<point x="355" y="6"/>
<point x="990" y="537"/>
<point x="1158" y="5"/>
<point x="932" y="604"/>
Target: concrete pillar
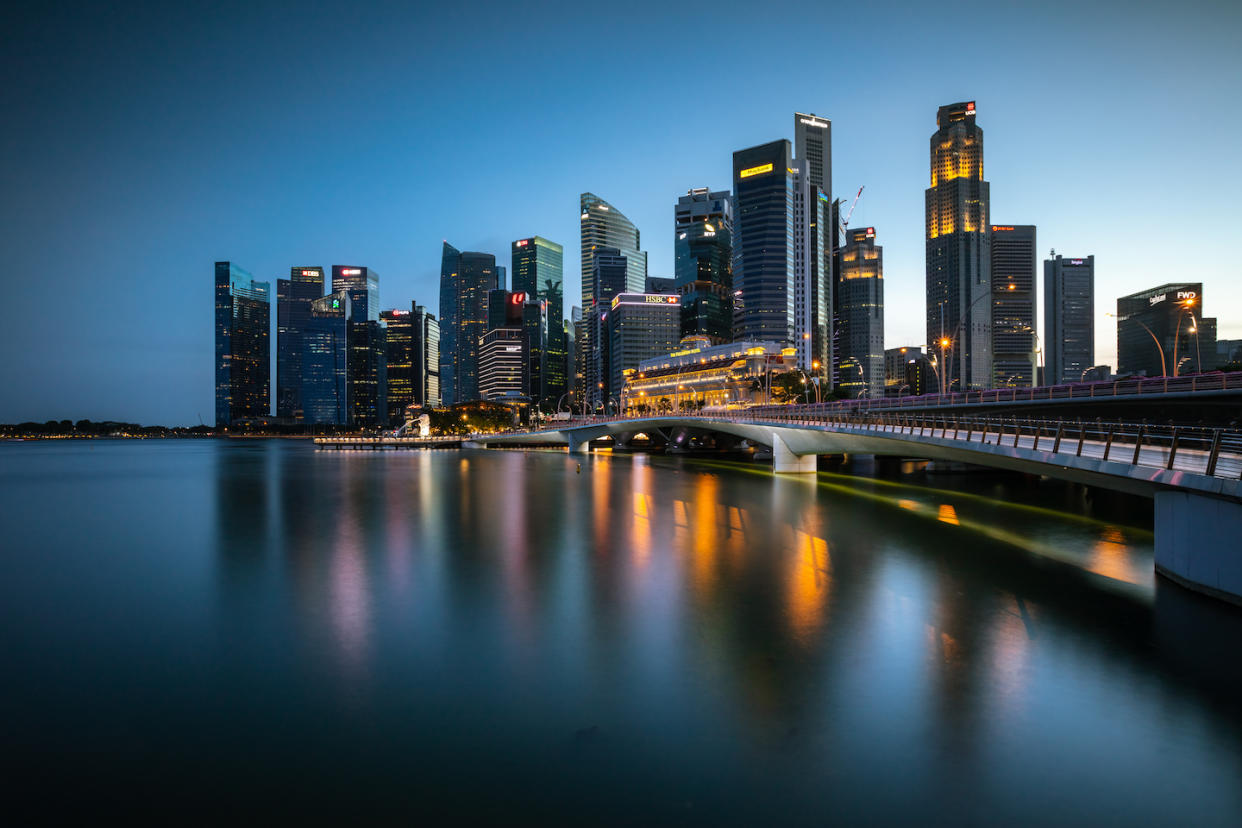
<point x="785" y="461"/>
<point x="1197" y="543"/>
<point x="577" y="446"/>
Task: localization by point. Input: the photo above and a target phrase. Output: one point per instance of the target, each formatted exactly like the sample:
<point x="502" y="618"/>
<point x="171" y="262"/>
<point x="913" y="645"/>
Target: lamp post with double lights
<point x="1186" y="305"/>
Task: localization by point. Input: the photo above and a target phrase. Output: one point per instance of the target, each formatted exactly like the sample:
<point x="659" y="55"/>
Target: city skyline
<point x="269" y="198"/>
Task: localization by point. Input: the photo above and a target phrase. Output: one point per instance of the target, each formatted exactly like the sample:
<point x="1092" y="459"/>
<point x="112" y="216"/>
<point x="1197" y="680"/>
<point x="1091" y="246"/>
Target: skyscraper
<point x="604" y="226"/>
<point x="325" y="361"/>
<point x="465" y="279"/>
<point x="538" y="270"/>
<point x="368" y="385"/>
<point x="426" y="358"/>
<point x="610" y="277"/>
<point x="763" y="243"/>
<point x="958" y="251"/>
<point x="243" y="359"/>
<point x="293" y="298"/>
<point x="1162" y="332"/>
<point x="640" y="326"/>
<point x="399" y="363"/>
<point x="812" y="274"/>
<point x="1069" y="319"/>
<point x="813" y="144"/>
<point x="703" y="245"/>
<point x="1013" y="305"/>
<point x="860" y="303"/>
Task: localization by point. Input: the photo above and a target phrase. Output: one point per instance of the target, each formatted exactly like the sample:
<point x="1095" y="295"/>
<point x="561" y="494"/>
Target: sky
<point x="146" y="142"/>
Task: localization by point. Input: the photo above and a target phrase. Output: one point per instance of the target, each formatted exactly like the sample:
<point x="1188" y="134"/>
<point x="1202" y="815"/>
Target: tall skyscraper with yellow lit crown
<point x="959" y="319"/>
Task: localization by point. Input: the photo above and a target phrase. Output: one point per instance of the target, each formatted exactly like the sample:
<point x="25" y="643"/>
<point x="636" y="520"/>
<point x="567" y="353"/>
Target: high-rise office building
<point x="426" y="358"/>
<point x="1069" y="319"/>
<point x="604" y="227"/>
<point x="703" y="245"/>
<point x="813" y="144"/>
<point x="813" y="302"/>
<point x="577" y="321"/>
<point x="502" y="364"/>
<point x="465" y="279"/>
<point x="367" y="382"/>
<point x="539" y="271"/>
<point x="1013" y="305"/>
<point x="610" y="277"/>
<point x="1162" y="332"/>
<point x="640" y="326"/>
<point x="763" y="243"/>
<point x="958" y="251"/>
<point x="243" y="358"/>
<point x="325" y="361"/>
<point x="537" y="333"/>
<point x="399" y="363"/>
<point x="860" y="308"/>
<point x="895" y="361"/>
<point x="293" y="298"/>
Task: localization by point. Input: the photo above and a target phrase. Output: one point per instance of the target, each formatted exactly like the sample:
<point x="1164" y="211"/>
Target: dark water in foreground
<point x="202" y="629"/>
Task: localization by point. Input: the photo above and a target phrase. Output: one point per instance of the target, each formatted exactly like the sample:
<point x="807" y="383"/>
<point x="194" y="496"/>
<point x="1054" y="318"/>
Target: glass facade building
<point x="703" y="249"/>
<point x="860" y="303"/>
<point x="1013" y="306"/>
<point x="763" y="243"/>
<point x="325" y="361"/>
<point x="958" y="250"/>
<point x="1069" y="319"/>
<point x="465" y="280"/>
<point x="641" y="326"/>
<point x="539" y="270"/>
<point x="368" y="384"/>
<point x="602" y="227"/>
<point x="243" y="358"/>
<point x="293" y="298"/>
<point x="610" y="278"/>
<point x="399" y="362"/>
<point x="1161" y="332"/>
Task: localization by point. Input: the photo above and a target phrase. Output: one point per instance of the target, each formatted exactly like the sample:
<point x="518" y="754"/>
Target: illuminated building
<point x="293" y="298"/>
<point x="325" y="361"/>
<point x="367" y="382"/>
<point x="860" y="310"/>
<point x="538" y="270"/>
<point x="577" y="355"/>
<point x="399" y="363"/>
<point x="1013" y="305"/>
<point x="1069" y="319"/>
<point x="895" y="360"/>
<point x="465" y="279"/>
<point x="536" y="333"/>
<point x="813" y="302"/>
<point x="604" y="227"/>
<point x="711" y="377"/>
<point x="763" y="242"/>
<point x="1161" y="332"/>
<point x="958" y="250"/>
<point x="610" y="276"/>
<point x="243" y="360"/>
<point x="813" y="144"/>
<point x="502" y="364"/>
<point x="641" y="326"/>
<point x="703" y="245"/>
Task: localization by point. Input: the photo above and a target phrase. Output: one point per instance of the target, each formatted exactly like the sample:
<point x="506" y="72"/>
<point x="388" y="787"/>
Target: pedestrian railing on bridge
<point x="1215" y="452"/>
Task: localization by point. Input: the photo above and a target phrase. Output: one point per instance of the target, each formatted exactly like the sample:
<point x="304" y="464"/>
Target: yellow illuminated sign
<point x="759" y="170"/>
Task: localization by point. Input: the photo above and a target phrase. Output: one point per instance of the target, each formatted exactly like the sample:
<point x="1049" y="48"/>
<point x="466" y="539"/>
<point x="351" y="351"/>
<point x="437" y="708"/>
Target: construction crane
<point x="845" y="222"/>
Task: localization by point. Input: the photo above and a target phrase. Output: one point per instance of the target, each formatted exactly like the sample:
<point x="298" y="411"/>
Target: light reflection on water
<point x="680" y="639"/>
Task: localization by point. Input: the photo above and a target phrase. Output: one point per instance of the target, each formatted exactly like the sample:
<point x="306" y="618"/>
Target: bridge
<point x="1192" y="472"/>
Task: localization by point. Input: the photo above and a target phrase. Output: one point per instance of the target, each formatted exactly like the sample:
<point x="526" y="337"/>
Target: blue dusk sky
<point x="142" y="144"/>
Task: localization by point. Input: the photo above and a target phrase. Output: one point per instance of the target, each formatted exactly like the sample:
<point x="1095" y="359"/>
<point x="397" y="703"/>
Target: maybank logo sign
<point x="813" y="122"/>
<point x="759" y="170"/>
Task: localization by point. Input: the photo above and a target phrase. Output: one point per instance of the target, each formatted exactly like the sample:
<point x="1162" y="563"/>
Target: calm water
<point x="200" y="629"/>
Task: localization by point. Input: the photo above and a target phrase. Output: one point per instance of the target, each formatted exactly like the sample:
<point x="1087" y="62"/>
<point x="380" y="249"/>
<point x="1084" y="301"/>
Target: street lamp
<point x="1185" y="310"/>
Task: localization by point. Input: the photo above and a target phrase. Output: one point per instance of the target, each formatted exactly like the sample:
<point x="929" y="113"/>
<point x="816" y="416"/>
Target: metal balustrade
<point x="1216" y="452"/>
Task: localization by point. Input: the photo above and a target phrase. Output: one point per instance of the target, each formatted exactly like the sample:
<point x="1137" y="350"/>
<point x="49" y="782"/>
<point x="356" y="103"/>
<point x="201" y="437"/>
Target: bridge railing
<point x="1215" y="452"/>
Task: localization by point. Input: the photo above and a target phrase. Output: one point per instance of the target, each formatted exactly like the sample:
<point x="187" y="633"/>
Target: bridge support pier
<point x="1197" y="543"/>
<point x="785" y="461"/>
<point x="577" y="446"/>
